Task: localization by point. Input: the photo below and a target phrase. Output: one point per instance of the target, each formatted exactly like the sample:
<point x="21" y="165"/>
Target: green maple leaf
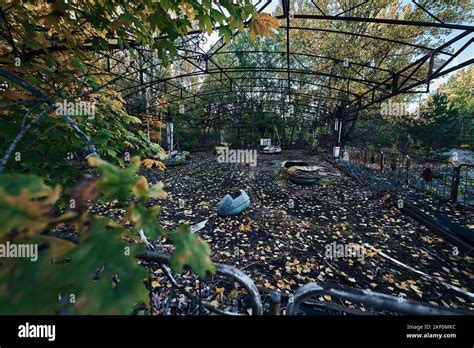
<point x="96" y="292"/>
<point x="145" y="219"/>
<point x="14" y="183"/>
<point x="116" y="183"/>
<point x="190" y="250"/>
<point x="30" y="287"/>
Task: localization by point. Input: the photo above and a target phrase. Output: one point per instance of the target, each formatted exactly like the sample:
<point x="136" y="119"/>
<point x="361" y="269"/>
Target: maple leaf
<point x="150" y="163"/>
<point x="188" y="9"/>
<point x="25" y="214"/>
<point x="262" y="24"/>
<point x="145" y="219"/>
<point x="116" y="183"/>
<point x="190" y="250"/>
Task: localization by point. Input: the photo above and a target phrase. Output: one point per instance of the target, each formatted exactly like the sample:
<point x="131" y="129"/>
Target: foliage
<point x="445" y="121"/>
<point x="460" y="91"/>
<point x="441" y="126"/>
<point x="54" y="151"/>
<point x="78" y="24"/>
<point x="190" y="249"/>
<point x="63" y="51"/>
<point x="99" y="269"/>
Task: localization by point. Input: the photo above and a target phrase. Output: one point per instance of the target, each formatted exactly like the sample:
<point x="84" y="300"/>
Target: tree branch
<point x="19" y="136"/>
<point x="41" y="98"/>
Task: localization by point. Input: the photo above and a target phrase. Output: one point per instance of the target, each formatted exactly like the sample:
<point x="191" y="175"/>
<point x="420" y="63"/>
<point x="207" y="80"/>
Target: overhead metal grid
<point x="316" y="93"/>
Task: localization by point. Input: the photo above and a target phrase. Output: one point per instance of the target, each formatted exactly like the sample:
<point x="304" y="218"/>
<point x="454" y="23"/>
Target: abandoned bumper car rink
<point x="315" y="160"/>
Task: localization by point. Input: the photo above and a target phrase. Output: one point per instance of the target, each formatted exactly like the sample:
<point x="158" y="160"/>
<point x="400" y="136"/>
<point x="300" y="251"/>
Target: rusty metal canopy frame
<point x="243" y="86"/>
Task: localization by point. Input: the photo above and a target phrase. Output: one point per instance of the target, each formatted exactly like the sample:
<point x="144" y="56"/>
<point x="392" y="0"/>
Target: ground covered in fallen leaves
<point x="281" y="240"/>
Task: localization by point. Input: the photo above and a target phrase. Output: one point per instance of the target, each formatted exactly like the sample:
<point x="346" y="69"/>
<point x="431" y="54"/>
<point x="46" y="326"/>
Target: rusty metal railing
<point x="365" y="297"/>
<point x="445" y="179"/>
<point x="465" y="192"/>
<point x="433" y="176"/>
